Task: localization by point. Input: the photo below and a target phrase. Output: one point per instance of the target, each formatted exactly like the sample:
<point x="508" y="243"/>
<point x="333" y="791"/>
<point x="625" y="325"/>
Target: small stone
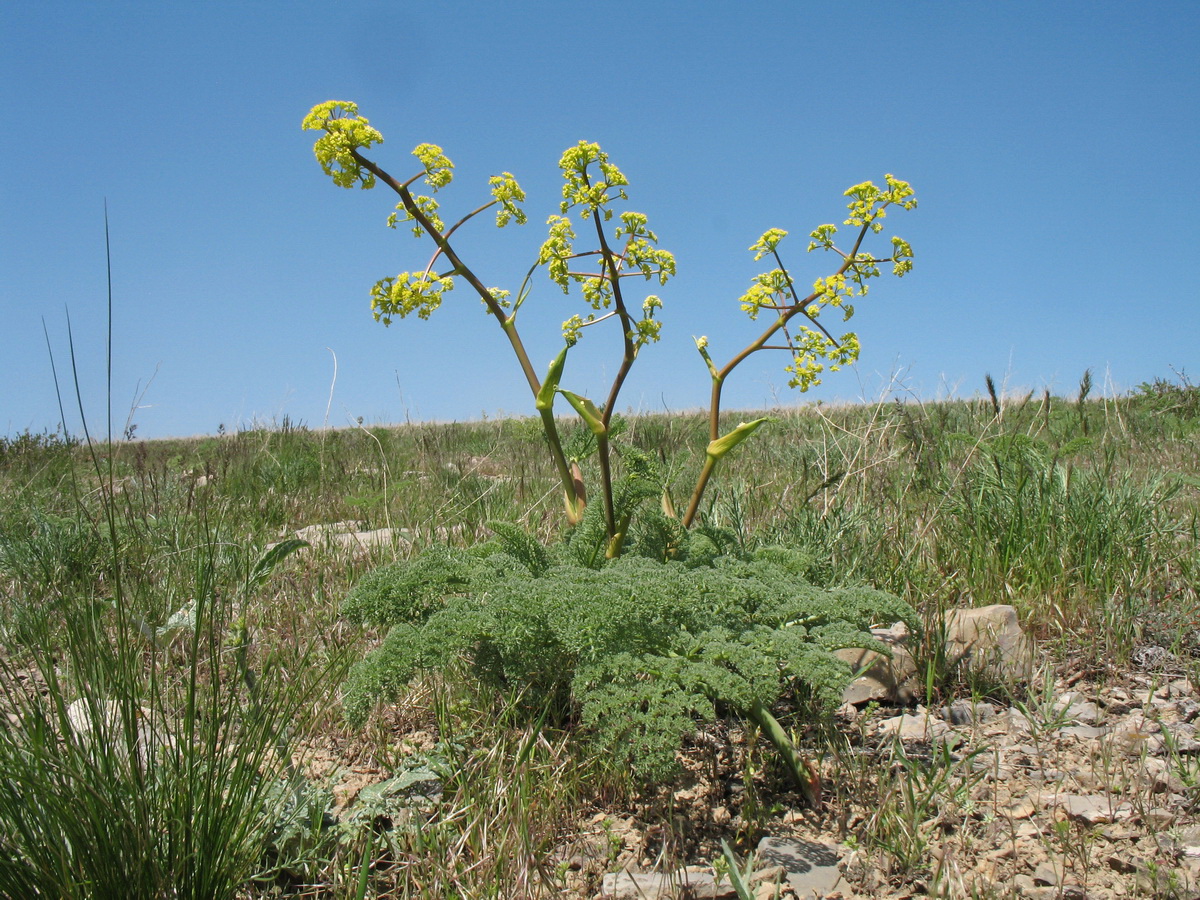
<point x="657" y="886"/>
<point x="811" y="868"/>
<point x="1179" y="688"/>
<point x="770" y="873"/>
<point x="1158" y="818"/>
<point x="1160" y="778"/>
<point x="1189" y="709"/>
<point x="1084" y="732"/>
<point x="1090" y="809"/>
<point x="1118" y="708"/>
<point x="1183" y="737"/>
<point x="1121" y="864"/>
<point x="1074" y="707"/>
<point x="1136" y="735"/>
<point x="964" y="712"/>
<point x="1021" y="809"/>
<point x="891" y="680"/>
<point x="1045" y="874"/>
<point x="1120" y="832"/>
<point x="918" y="728"/>
<point x="1018" y="723"/>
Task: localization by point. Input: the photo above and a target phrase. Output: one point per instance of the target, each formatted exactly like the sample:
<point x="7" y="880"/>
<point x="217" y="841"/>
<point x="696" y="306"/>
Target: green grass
<point x="1083" y="514"/>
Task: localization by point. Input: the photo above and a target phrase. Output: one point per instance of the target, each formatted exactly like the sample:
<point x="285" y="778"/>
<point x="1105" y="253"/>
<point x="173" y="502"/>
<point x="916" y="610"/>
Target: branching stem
<point x="506" y="320"/>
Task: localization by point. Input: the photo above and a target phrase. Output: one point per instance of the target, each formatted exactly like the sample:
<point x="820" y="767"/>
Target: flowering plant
<point x="592" y="189"/>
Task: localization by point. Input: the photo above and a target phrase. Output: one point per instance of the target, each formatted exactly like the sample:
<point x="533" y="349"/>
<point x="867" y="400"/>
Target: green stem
<point x="606" y="492"/>
<point x="550" y="427"/>
<point x="799" y="767"/>
<point x="714" y="412"/>
<point x="710" y="464"/>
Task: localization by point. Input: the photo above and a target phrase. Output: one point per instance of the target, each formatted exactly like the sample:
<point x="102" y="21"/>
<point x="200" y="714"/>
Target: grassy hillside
<point x="1081" y="513"/>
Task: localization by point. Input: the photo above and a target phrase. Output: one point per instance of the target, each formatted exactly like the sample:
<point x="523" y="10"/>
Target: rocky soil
<point x="1031" y="783"/>
<point x="1086" y="787"/>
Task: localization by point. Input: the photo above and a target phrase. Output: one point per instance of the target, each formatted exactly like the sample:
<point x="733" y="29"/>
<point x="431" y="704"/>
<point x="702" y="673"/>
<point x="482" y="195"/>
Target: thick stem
<point x="710" y="464"/>
<point x="802" y="770"/>
<point x="627" y="358"/>
<point x="606" y="493"/>
<point x="550" y="427"/>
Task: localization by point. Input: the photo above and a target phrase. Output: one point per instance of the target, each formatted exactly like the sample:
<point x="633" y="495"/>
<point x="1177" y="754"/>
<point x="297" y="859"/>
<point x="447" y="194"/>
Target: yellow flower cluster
<point x="408" y="292"/>
<point x="439" y="171"/>
<point x="578" y="189"/>
<point x="345" y="131"/>
<point x="506" y="190"/>
<point x="813" y="350"/>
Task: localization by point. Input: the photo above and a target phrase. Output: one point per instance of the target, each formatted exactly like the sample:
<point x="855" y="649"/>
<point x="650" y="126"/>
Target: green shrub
<point x="635" y="653"/>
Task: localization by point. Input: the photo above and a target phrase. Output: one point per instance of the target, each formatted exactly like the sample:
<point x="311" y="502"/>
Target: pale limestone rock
<point x="990" y="637"/>
<point x="670" y="886"/>
<point x="347" y="536"/>
<point x="101" y="720"/>
<point x="1090" y="809"/>
<point x="890" y="680"/>
<point x="1072" y="706"/>
<point x="923" y="727"/>
<point x="811" y="868"/>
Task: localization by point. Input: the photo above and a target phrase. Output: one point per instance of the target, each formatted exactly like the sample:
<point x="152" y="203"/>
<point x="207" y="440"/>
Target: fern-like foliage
<point x="637" y="651"/>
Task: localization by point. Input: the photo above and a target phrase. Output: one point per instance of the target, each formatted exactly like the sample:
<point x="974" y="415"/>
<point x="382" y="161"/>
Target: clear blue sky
<point x="1053" y="145"/>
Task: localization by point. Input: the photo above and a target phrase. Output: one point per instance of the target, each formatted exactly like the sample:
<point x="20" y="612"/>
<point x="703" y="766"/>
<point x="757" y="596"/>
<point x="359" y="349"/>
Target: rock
<point x="811" y="868"/>
<point x="1045" y="874"/>
<point x="1073" y="707"/>
<point x="965" y="712"/>
<point x="346" y="535"/>
<point x="1020" y="809"/>
<point x="771" y="874"/>
<point x="1012" y="722"/>
<point x="351" y="538"/>
<point x="1160" y="777"/>
<point x="1024" y="884"/>
<point x="1180" y="688"/>
<point x="1121" y="864"/>
<point x="670" y="886"/>
<point x="1189" y="709"/>
<point x="1159" y="818"/>
<point x="1183" y="737"/>
<point x="101" y="721"/>
<point x="1136" y="735"/>
<point x="892" y="680"/>
<point x="990" y="638"/>
<point x="1083" y="732"/>
<point x="918" y="728"/>
<point x="1087" y="808"/>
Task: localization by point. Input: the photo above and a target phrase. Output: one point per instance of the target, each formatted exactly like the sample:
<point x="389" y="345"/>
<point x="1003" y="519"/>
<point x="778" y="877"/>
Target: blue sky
<point x="1053" y="147"/>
